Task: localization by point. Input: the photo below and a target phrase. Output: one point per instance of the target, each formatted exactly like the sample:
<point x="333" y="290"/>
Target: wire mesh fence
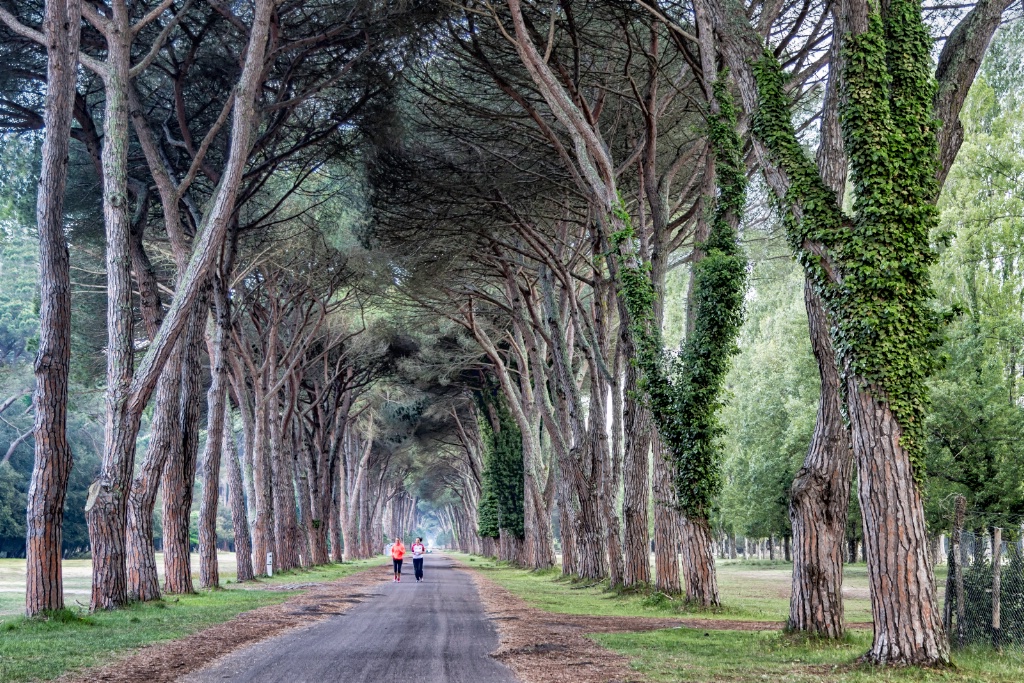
<point x="984" y="604"/>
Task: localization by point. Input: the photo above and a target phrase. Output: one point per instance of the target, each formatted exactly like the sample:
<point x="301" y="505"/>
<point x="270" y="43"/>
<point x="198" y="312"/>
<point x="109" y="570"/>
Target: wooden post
<point x="997" y="556"/>
<point x="957" y="569"/>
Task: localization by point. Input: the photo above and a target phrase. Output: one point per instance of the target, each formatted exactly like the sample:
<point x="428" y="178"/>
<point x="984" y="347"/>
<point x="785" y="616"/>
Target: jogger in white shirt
<point x="417" y="558"/>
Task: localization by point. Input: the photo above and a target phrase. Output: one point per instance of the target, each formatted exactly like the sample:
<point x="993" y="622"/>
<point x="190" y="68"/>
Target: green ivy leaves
<point x="684" y="392"/>
<point x="502" y="497"/>
<point x="878" y="299"/>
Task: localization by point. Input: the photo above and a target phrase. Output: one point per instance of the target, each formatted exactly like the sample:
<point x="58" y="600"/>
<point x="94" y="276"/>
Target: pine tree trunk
<point x="44" y="589"/>
<point x="282" y="469"/>
<point x="180" y="473"/>
<point x="369" y="539"/>
<point x="263" y="541"/>
<point x="820" y="497"/>
<point x="636" y="493"/>
<point x="319" y="494"/>
<point x="699" y="562"/>
<point x="209" y="575"/>
<point x="567" y="520"/>
<point x="165" y="442"/>
<point x="539" y="546"/>
<point x="335" y="519"/>
<point x="309" y="536"/>
<point x="908" y="624"/>
<point x="108" y="495"/>
<point x="236" y="495"/>
<point x="666" y="528"/>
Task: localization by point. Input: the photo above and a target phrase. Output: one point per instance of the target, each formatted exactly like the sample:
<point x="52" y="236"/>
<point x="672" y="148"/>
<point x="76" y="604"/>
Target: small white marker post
<point x="270" y="564"/>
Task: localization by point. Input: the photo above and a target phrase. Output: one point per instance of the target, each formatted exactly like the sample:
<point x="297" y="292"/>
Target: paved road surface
<point x="430" y="632"/>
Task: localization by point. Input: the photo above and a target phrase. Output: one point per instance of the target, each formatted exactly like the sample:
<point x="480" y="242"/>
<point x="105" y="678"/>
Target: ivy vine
<point x="685" y="391"/>
<point x="875" y="284"/>
<point x="501" y="505"/>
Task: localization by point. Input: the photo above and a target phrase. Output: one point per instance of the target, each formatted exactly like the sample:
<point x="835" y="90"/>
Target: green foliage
<point x="502" y="499"/>
<point x="12" y="503"/>
<point x="685" y="392"/>
<point x="774" y="387"/>
<point x="975" y="428"/>
<point x="875" y="282"/>
<point x="974" y="433"/>
<point x="487" y="510"/>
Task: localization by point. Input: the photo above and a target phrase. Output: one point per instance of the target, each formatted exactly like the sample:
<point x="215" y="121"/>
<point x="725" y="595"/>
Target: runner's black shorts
<point x="398" y="565"/>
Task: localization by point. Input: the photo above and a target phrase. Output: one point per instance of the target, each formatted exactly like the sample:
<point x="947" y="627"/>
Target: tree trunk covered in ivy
<point x="502" y="510"/>
<point x="820" y="494"/>
<point x="685" y="408"/>
<point x="48" y="488"/>
<point x="882" y="325"/>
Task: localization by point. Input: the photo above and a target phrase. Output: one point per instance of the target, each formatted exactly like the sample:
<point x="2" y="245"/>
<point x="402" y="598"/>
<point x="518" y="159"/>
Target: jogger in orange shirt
<point x="397" y="553"/>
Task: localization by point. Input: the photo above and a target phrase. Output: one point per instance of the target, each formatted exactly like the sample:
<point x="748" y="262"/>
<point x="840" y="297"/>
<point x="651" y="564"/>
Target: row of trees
<point x="523" y="180"/>
<point x="207" y="129"/>
<point x="542" y="159"/>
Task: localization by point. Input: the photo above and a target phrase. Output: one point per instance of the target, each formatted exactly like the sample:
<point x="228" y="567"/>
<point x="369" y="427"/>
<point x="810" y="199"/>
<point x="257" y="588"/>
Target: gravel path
<point x="435" y="631"/>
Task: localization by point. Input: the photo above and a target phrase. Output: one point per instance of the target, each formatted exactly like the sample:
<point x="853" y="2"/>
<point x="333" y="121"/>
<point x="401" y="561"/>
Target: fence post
<point x="956" y="569"/>
<point x="997" y="570"/>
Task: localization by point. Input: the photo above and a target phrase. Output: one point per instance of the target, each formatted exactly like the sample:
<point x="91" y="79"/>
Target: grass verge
<point x="747" y="657"/>
<point x="750" y="592"/>
<point x="37" y="649"/>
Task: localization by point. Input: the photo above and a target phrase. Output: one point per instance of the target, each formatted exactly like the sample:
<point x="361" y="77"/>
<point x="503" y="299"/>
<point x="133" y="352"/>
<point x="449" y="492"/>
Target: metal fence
<point x="984" y="604"/>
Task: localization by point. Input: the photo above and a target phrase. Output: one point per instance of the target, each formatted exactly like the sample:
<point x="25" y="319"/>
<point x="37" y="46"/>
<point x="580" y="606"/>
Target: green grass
<point x="33" y="649"/>
<point x="700" y="656"/>
<point x="750" y="591"/>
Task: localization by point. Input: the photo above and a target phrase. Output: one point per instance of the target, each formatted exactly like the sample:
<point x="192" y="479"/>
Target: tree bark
<point x="820" y="498"/>
<point x="108" y="495"/>
<point x="216" y="395"/>
<point x="666" y="528"/>
<point x="908" y="624"/>
<point x="636" y="492"/>
<point x="164" y="443"/>
<point x="179" y="473"/>
<point x="567" y="519"/>
<point x="47" y="490"/>
<point x="263" y="540"/>
<point x="283" y="471"/>
<point x="701" y="580"/>
<point x="236" y="493"/>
